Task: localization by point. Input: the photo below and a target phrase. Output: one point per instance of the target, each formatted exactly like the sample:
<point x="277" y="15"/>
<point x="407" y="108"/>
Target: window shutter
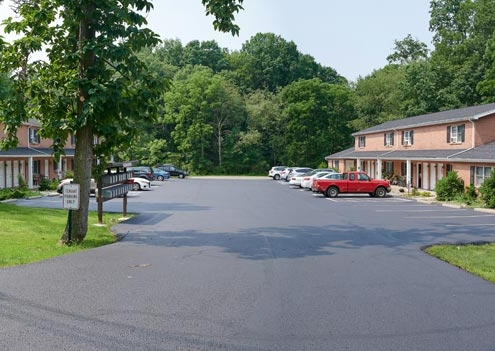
<point x="412" y="137"/>
<point x="391" y="138"/>
<point x="385" y="139"/>
<point x="461" y="132"/>
<point x="448" y="135"/>
<point x="471" y="175"/>
<point x="403" y="137"/>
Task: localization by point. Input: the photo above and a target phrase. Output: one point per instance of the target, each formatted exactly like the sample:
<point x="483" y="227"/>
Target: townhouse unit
<point x="33" y="158"/>
<point x="418" y="151"/>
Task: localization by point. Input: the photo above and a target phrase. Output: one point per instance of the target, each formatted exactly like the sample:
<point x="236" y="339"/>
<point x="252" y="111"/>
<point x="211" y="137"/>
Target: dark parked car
<point x="173" y="171"/>
<point x="142" y="172"/>
<point x="160" y="174"/>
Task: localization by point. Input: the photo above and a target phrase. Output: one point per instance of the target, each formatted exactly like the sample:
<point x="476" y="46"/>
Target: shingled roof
<point x="458" y="115"/>
<point x="482" y="153"/>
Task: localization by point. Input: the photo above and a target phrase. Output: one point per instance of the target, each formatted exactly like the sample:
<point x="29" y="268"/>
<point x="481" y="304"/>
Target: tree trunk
<point x="83" y="161"/>
<point x="83" y="157"/>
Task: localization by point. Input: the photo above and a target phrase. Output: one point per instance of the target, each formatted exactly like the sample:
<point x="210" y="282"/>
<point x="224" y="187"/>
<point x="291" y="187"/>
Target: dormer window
<point x="407" y="137"/>
<point x="34" y="137"/>
<point x="362" y="141"/>
<point x="456" y="134"/>
<point x="388" y="139"/>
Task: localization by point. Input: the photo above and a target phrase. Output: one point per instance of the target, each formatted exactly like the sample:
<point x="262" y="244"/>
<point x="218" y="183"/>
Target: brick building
<point x="33" y="158"/>
<point x="420" y="150"/>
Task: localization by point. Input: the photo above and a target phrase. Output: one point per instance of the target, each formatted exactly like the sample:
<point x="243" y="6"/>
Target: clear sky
<point x="352" y="36"/>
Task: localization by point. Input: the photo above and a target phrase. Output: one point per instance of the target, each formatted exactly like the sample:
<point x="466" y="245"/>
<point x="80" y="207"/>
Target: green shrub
<point x="470" y="195"/>
<point x="47" y="184"/>
<point x="450" y="187"/>
<point x="22" y="183"/>
<point x="487" y="191"/>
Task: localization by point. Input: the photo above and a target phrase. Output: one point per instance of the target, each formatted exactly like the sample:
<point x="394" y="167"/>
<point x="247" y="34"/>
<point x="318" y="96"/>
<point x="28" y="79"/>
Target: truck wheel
<point x="332" y="191"/>
<point x="181" y="176"/>
<point x="276" y="176"/>
<point x="380" y="192"/>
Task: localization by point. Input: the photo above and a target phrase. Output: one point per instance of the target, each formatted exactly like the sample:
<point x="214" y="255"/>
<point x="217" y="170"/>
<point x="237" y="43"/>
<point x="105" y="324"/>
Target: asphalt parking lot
<point x="250" y="264"/>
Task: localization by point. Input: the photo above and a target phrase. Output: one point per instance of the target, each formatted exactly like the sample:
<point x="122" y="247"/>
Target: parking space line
<point x="441" y="217"/>
<point x="430" y="210"/>
<point x="470" y="225"/>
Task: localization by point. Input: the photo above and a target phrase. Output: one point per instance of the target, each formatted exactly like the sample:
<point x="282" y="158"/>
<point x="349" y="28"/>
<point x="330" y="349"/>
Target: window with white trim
<point x="362" y="141"/>
<point x="455" y="134"/>
<point x="388" y="139"/>
<point x="34" y="137"/>
<point x="480" y="173"/>
<point x="407" y="137"/>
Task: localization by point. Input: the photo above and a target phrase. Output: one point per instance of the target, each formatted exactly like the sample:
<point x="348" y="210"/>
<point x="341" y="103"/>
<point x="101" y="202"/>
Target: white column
<point x="22" y="169"/>
<point x="433" y="176"/>
<point x="30" y="173"/>
<point x="2" y="174"/>
<point x="15" y="172"/>
<point x="358" y="164"/>
<point x="408" y="173"/>
<point x="440" y="171"/>
<point x="379" y="169"/>
<point x="425" y="177"/>
<point x="8" y="176"/>
<point x="47" y="168"/>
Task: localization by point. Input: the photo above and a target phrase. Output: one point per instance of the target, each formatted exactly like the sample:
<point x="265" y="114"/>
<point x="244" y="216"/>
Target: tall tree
<point x="378" y="97"/>
<point x="92" y="84"/>
<point x="205" y="53"/>
<point x="318" y="116"/>
<point x="267" y="120"/>
<point x="462" y="29"/>
<point x="408" y="50"/>
<point x="203" y="108"/>
<point x="269" y="62"/>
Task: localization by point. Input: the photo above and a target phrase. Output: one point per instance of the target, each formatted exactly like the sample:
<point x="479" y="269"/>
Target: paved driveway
<point x="257" y="265"/>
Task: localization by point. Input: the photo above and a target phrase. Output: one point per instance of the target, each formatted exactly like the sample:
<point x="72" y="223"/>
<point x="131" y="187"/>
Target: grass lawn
<point x="478" y="259"/>
<point x="32" y="234"/>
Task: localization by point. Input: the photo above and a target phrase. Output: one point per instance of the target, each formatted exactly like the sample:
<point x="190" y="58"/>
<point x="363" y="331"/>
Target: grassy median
<point x="478" y="259"/>
<point x="32" y="234"/>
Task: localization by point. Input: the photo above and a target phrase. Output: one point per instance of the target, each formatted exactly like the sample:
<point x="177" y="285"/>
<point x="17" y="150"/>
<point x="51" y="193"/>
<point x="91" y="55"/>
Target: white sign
<point x="71" y="196"/>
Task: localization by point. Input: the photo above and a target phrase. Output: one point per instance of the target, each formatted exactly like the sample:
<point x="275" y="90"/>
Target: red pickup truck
<point x="352" y="182"/>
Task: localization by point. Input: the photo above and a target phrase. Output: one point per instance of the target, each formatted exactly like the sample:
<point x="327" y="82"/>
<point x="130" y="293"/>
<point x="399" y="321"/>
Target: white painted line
<point x="440" y="217"/>
<point x="403" y="210"/>
<point x="470" y="225"/>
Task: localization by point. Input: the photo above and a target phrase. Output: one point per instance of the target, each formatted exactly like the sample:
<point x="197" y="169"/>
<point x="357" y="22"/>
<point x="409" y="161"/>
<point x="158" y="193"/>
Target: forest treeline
<point x="240" y="112"/>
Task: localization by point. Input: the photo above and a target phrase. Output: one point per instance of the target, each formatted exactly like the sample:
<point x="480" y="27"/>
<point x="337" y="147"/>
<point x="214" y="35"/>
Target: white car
<point x="307" y="180"/>
<point x="60" y="187"/>
<point x="295" y="171"/>
<point x="275" y="172"/>
<point x="140" y="184"/>
<point x="296" y="174"/>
